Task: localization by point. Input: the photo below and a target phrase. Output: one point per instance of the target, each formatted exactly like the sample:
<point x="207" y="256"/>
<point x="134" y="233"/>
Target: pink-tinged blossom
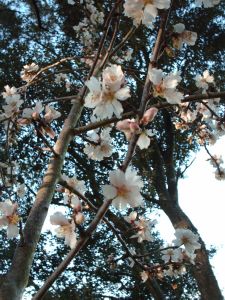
<point x="206" y="3"/>
<point x="165" y="86"/>
<point x="9" y="218"/>
<point x="51" y="114"/>
<point x="131" y="127"/>
<point x="105" y="96"/>
<point x="149" y="115"/>
<point x="144" y="227"/>
<point x="100" y="145"/>
<point x="144" y="11"/>
<point x="202" y="81"/>
<point x="65" y="230"/>
<point x="33" y="113"/>
<point x="124" y="189"/>
<point x="183" y="36"/>
<point x="144" y="276"/>
<point x="187" y="238"/>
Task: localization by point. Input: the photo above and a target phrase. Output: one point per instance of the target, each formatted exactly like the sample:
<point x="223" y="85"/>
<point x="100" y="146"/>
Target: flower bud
<point x="149" y="115"/>
<point x="79" y="218"/>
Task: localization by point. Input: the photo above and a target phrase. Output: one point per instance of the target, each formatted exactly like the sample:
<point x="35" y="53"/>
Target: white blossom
<point x="187" y="238"/>
<point x="202" y="81"/>
<point x="143" y="227"/>
<point x="9" y="218"/>
<point x="12" y="99"/>
<point x="51" y="114"/>
<point x="131" y="218"/>
<point x="165" y="86"/>
<point x="104" y="96"/>
<point x="124" y="188"/>
<point x="174" y="255"/>
<point x="101" y="146"/>
<point x="144" y="11"/>
<point x="65" y="230"/>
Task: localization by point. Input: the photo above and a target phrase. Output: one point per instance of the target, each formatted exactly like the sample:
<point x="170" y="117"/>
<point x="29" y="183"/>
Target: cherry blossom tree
<point x="95" y="139"/>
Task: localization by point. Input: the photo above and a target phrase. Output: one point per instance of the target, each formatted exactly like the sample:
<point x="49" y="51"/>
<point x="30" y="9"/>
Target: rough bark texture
<point x="16" y="279"/>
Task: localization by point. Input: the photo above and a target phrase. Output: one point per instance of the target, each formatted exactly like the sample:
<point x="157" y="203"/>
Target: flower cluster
<point x="174" y="256"/>
<point x="142" y="227"/>
<point x="104" y="96"/>
<point x="34" y="114"/>
<point x="130" y="127"/>
<point x="144" y="11"/>
<point x="13" y="101"/>
<point x="87" y="28"/>
<point x="124" y="188"/>
<point x="165" y="86"/>
<point x="99" y="145"/>
<point x="203" y="81"/>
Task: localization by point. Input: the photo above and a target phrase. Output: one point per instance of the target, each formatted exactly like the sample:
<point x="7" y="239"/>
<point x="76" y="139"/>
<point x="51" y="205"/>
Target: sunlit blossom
<point x="165" y="86"/>
<point x="124" y="188"/>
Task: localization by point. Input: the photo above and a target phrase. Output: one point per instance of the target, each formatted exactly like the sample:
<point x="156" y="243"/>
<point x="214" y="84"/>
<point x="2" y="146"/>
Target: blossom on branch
<point x="165" y="86"/>
<point x="33" y="113"/>
<point x="130" y="127"/>
<point x="104" y="96"/>
<point x="29" y="72"/>
<point x="124" y="188"/>
<point x="65" y="230"/>
<point x="187" y="238"/>
<point x="183" y="36"/>
<point x="143" y="228"/>
<point x="202" y="81"/>
<point x="69" y="197"/>
<point x="144" y="11"/>
<point x="174" y="255"/>
<point x="9" y="218"/>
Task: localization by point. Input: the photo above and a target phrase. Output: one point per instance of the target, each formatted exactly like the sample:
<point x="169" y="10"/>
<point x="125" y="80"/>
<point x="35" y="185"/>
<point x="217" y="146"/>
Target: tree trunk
<point x="16" y="279"/>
